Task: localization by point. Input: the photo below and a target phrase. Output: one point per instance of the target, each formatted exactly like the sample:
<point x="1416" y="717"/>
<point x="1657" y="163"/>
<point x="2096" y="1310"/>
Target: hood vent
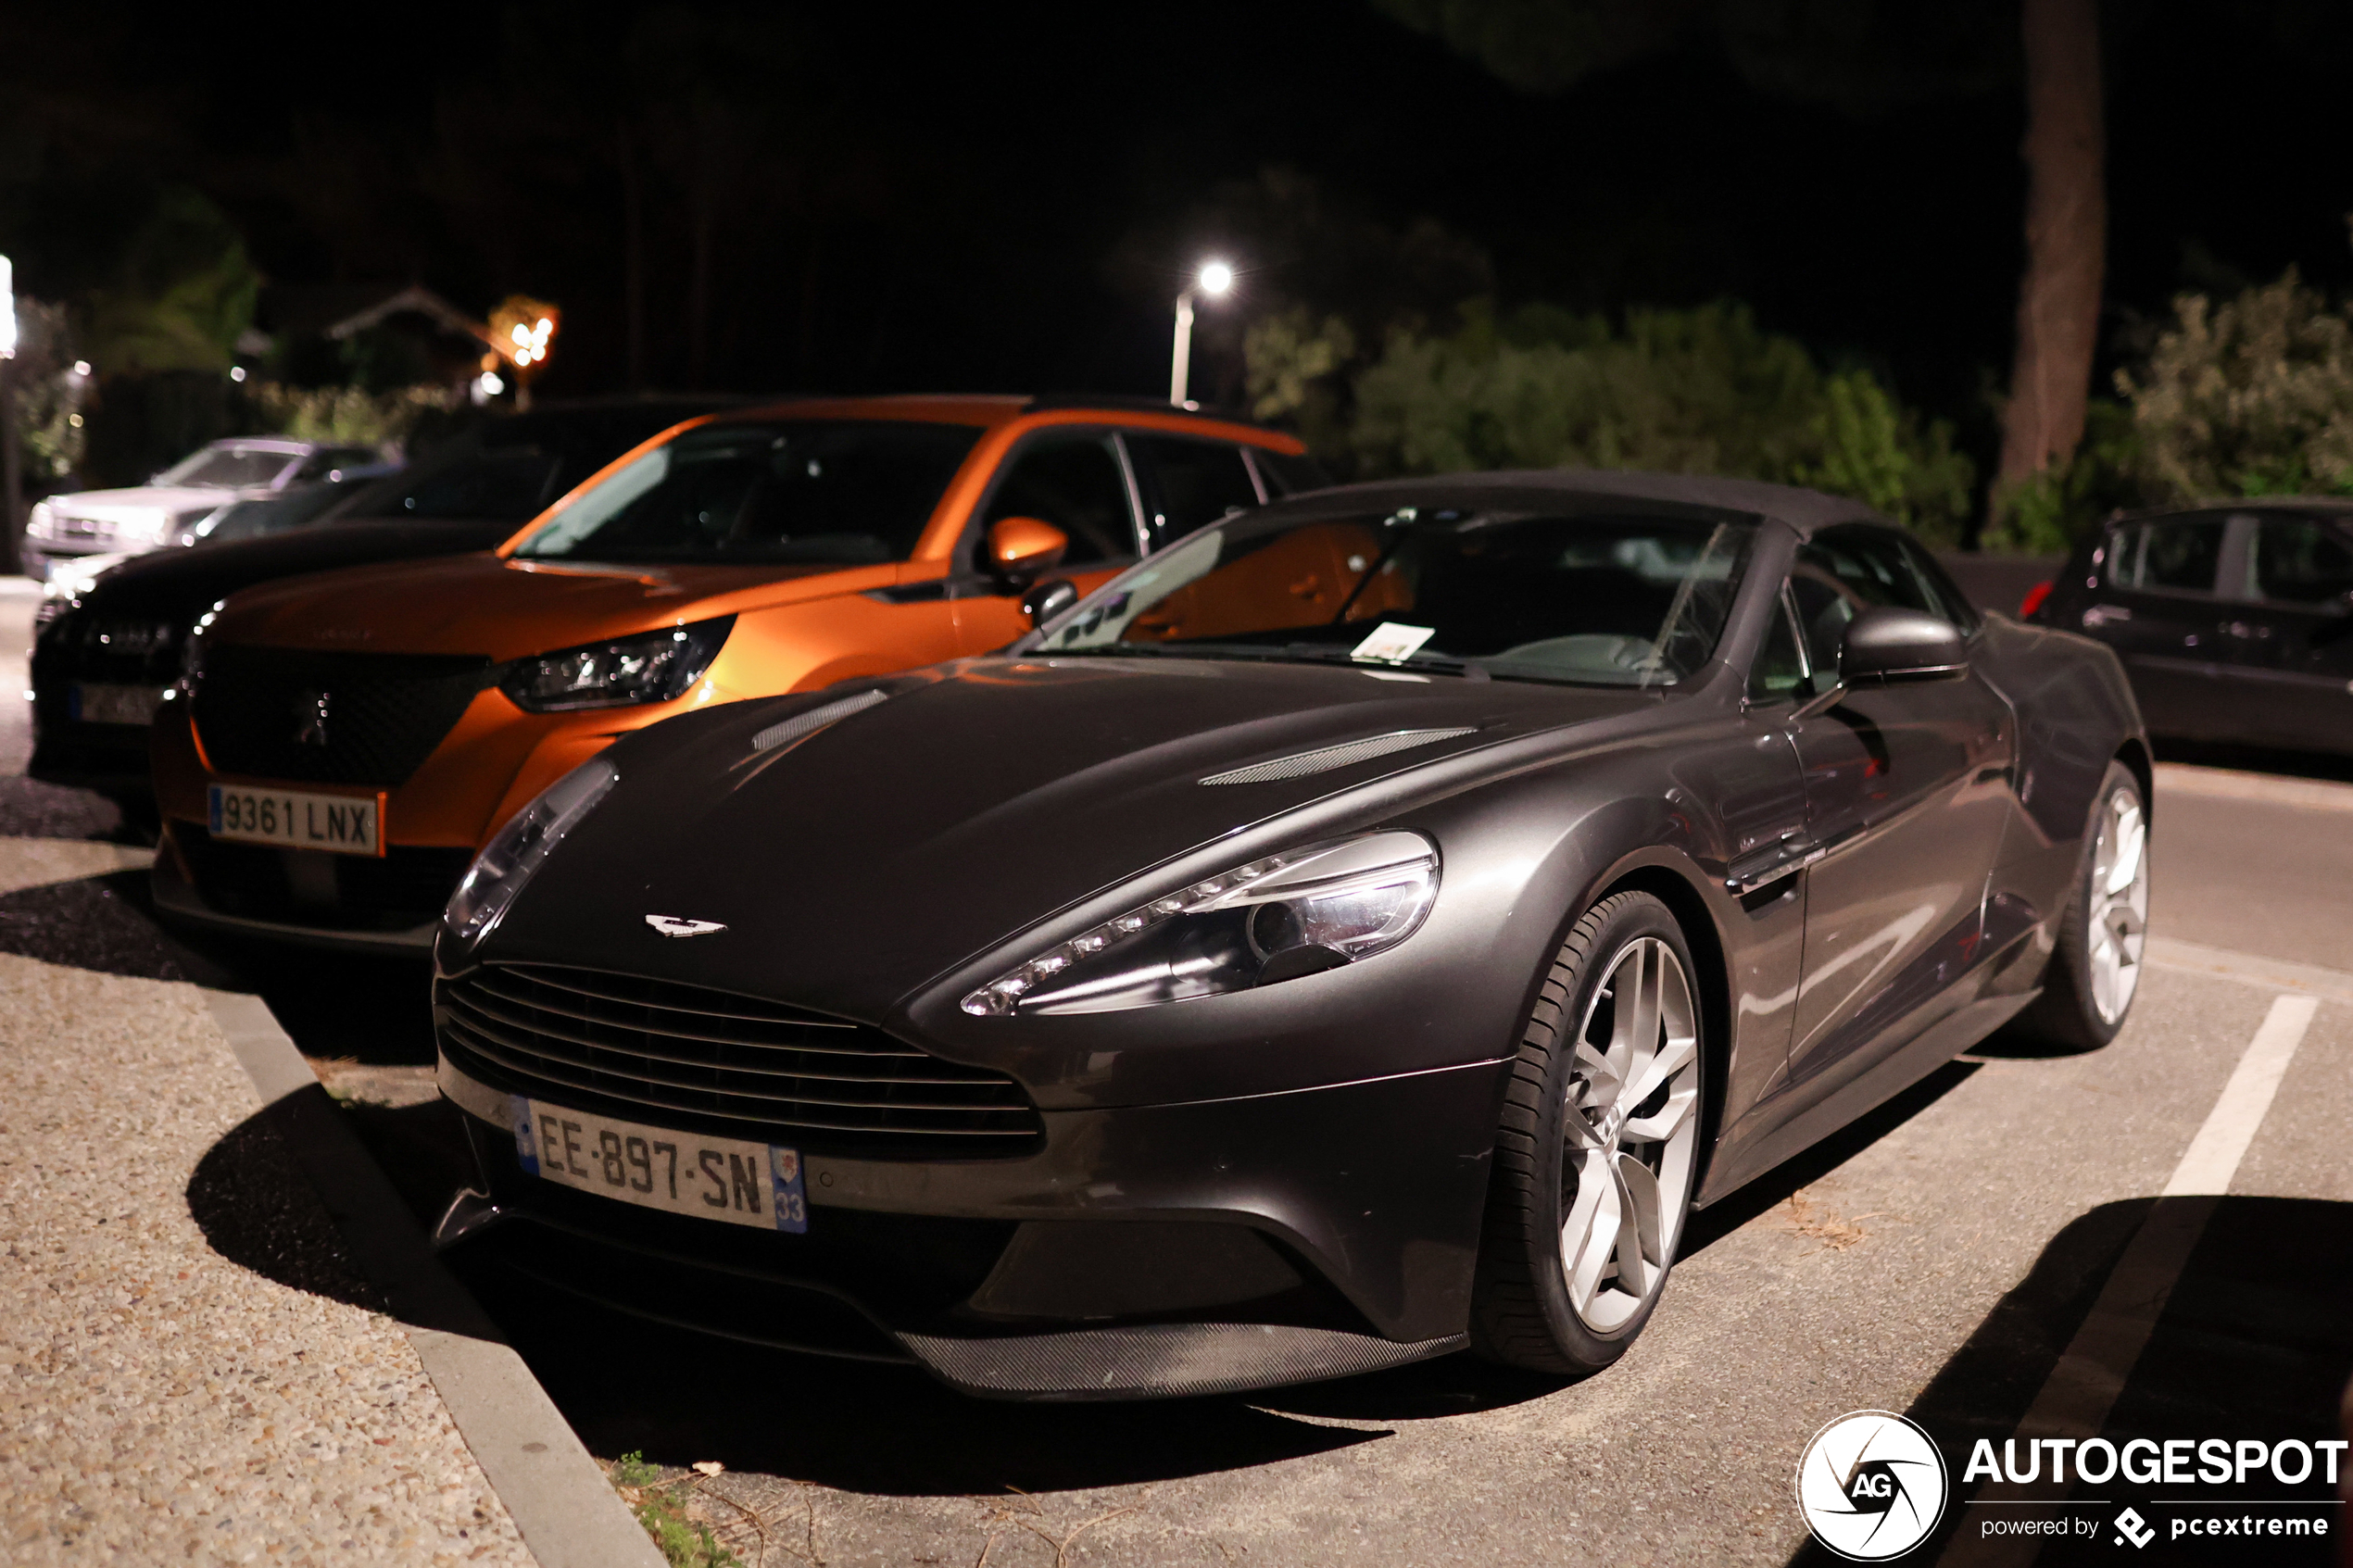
<point x="1324" y="760"/>
<point x="816" y="718"/>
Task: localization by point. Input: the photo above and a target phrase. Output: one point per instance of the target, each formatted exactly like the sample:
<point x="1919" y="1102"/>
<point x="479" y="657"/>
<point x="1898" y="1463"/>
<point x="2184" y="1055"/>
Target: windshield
<point x="1621" y="600"/>
<point x="815" y="491"/>
<point x="228" y="466"/>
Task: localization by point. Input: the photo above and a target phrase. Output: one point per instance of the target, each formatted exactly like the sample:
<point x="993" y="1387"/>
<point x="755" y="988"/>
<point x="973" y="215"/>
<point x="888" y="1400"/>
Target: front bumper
<point x="178" y="900"/>
<point x="1141" y="1252"/>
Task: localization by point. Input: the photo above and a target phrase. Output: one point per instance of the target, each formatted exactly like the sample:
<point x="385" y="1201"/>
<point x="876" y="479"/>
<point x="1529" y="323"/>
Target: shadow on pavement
<point x="2256" y="1341"/>
<point x="368" y="1009"/>
<point x="30" y="808"/>
<point x="100" y="923"/>
<point x="626" y="1385"/>
<point x="259" y="1210"/>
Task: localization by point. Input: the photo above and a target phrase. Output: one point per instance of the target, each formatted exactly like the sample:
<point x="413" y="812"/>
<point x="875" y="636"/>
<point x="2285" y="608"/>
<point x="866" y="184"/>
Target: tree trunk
<point x="2058" y="305"/>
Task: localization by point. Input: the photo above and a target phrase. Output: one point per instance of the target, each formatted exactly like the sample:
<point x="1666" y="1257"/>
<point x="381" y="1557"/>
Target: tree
<point x="1862" y="56"/>
<point x="2059" y="299"/>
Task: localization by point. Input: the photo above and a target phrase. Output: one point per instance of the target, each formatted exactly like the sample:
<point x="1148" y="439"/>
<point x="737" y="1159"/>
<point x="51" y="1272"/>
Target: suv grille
<point x="330" y="717"/>
<point x="727" y="1063"/>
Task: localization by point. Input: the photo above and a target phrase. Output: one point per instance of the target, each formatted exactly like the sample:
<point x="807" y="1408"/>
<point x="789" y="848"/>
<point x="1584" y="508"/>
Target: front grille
<point x="330" y="717"/>
<point x="404" y="890"/>
<point x="730" y="1065"/>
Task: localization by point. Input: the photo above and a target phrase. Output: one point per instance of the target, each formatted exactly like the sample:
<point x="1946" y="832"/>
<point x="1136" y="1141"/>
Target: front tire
<point x="1598" y="1148"/>
<point x="2095" y="964"/>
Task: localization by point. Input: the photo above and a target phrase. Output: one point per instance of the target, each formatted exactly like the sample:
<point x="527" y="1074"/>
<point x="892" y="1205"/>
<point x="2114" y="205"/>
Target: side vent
<point x="1326" y="758"/>
<point x="816" y="718"/>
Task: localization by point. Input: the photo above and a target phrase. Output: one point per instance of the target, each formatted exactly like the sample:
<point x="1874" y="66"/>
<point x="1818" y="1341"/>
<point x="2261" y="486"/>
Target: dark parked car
<point x="1362" y="930"/>
<point x="103" y="658"/>
<point x="2235" y="622"/>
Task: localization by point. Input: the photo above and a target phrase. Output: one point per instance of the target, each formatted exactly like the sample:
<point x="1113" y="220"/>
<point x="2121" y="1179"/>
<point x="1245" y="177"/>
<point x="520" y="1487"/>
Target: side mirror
<point x="1049" y="599"/>
<point x="1885" y="643"/>
<point x="1022" y="549"/>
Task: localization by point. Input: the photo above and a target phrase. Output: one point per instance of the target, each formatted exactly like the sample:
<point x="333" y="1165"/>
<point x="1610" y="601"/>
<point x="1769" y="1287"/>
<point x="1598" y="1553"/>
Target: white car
<point x="174" y="506"/>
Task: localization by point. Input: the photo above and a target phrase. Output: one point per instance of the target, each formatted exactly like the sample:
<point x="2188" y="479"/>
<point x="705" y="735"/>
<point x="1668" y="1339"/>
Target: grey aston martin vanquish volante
<point x="1363" y="931"/>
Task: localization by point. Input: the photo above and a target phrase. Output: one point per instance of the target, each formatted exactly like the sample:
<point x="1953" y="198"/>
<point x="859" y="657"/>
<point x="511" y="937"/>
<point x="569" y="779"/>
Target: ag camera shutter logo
<point x="1871" y="1486"/>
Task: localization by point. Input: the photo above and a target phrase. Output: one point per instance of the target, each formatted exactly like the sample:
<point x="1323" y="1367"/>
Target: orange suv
<point x="343" y="742"/>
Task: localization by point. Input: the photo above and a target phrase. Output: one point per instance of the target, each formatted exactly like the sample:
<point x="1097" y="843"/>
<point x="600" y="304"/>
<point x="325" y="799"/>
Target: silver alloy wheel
<point x="2117" y="904"/>
<point x="1630" y="1132"/>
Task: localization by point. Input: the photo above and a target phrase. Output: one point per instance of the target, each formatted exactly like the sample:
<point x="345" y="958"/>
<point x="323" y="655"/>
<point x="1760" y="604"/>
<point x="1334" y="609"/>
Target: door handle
<point x="1768" y="864"/>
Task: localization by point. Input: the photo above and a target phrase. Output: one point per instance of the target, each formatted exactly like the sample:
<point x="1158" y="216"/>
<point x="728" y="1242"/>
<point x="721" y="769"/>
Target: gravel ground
<point x="194" y="1369"/>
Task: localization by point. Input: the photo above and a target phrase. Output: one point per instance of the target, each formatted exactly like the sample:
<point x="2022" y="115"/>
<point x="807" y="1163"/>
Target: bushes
<point x="1698" y="391"/>
<point x="2253" y="397"/>
<point x="347" y="413"/>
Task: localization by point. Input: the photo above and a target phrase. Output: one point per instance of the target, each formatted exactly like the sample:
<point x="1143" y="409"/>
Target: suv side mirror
<point x="1049" y="599"/>
<point x="1887" y="644"/>
<point x="1022" y="549"/>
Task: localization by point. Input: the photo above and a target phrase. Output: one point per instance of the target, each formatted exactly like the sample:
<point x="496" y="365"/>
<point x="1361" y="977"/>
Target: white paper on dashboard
<point x="1394" y="642"/>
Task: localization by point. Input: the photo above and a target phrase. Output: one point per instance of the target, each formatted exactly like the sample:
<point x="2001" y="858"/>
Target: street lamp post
<point x="1214" y="280"/>
<point x="11" y="460"/>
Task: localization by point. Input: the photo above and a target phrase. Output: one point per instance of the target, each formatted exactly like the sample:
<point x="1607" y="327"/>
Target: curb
<point x="2250" y="969"/>
<point x="2270" y="789"/>
<point x="566" y="1511"/>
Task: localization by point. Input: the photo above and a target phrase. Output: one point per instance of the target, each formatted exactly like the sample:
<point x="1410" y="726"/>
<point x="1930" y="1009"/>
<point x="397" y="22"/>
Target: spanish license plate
<point x="348" y="824"/>
<point x="730" y="1179"/>
<point x="89" y="702"/>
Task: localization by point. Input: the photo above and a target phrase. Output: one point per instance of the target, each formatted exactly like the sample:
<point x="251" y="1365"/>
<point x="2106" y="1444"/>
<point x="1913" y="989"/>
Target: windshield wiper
<point x="1290" y="653"/>
<point x="1324" y="653"/>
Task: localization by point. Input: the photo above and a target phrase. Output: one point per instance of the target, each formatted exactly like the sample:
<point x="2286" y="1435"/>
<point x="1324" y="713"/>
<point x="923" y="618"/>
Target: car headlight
<point x="516" y="851"/>
<point x="42" y="522"/>
<point x="654" y="666"/>
<point x="1273" y="920"/>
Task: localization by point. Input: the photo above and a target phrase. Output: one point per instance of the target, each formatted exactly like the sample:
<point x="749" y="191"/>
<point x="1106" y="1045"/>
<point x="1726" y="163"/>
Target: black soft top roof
<point x="1535" y="489"/>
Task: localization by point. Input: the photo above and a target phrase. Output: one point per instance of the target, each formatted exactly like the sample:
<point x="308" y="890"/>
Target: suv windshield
<point x="1617" y="599"/>
<point x="228" y="468"/>
<point x="834" y="492"/>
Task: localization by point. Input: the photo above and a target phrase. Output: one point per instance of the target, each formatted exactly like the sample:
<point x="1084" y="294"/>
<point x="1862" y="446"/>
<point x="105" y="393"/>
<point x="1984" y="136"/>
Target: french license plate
<point x="89" y="702"/>
<point x="730" y="1179"/>
<point x="348" y="824"/>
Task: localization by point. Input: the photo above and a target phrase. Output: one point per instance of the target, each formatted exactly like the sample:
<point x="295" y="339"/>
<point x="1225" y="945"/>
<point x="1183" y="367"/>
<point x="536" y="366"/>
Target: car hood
<point x="180" y="585"/>
<point x="143" y="500"/>
<point x="483" y="604"/>
<point x="977" y="800"/>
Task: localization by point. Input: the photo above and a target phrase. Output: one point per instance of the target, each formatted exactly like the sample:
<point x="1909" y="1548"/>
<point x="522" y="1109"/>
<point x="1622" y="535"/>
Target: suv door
<point x="1908" y="792"/>
<point x="1187" y="482"/>
<point x="2158" y="606"/>
<point x="2292" y="635"/>
<point x="1075" y="478"/>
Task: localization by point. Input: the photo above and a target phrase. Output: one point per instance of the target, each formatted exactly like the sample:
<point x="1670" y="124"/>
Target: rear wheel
<point x="1597" y="1148"/>
<point x="2095" y="964"/>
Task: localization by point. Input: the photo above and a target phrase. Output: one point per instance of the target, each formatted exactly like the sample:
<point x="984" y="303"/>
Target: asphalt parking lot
<point x="1943" y="1260"/>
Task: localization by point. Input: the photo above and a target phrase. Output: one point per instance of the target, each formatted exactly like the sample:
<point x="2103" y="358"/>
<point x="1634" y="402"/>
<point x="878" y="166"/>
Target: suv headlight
<point x="516" y="851"/>
<point x="654" y="666"/>
<point x="1273" y="920"/>
<point x="42" y="522"/>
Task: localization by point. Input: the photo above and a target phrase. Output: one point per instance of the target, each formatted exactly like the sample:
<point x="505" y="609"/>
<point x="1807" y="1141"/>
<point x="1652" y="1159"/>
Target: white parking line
<point x="2213" y="1156"/>
<point x="2075" y="1400"/>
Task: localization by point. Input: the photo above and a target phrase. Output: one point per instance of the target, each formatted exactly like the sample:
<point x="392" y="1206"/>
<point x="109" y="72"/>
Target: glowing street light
<point x="1214" y="279"/>
<point x="521" y="330"/>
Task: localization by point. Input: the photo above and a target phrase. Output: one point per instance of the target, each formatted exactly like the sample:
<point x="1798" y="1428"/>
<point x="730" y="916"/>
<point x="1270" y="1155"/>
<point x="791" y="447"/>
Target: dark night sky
<point x="971" y="177"/>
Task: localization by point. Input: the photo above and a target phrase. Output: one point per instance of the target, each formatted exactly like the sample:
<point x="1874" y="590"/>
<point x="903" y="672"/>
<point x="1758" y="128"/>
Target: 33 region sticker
<point x="1871" y="1486"/>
